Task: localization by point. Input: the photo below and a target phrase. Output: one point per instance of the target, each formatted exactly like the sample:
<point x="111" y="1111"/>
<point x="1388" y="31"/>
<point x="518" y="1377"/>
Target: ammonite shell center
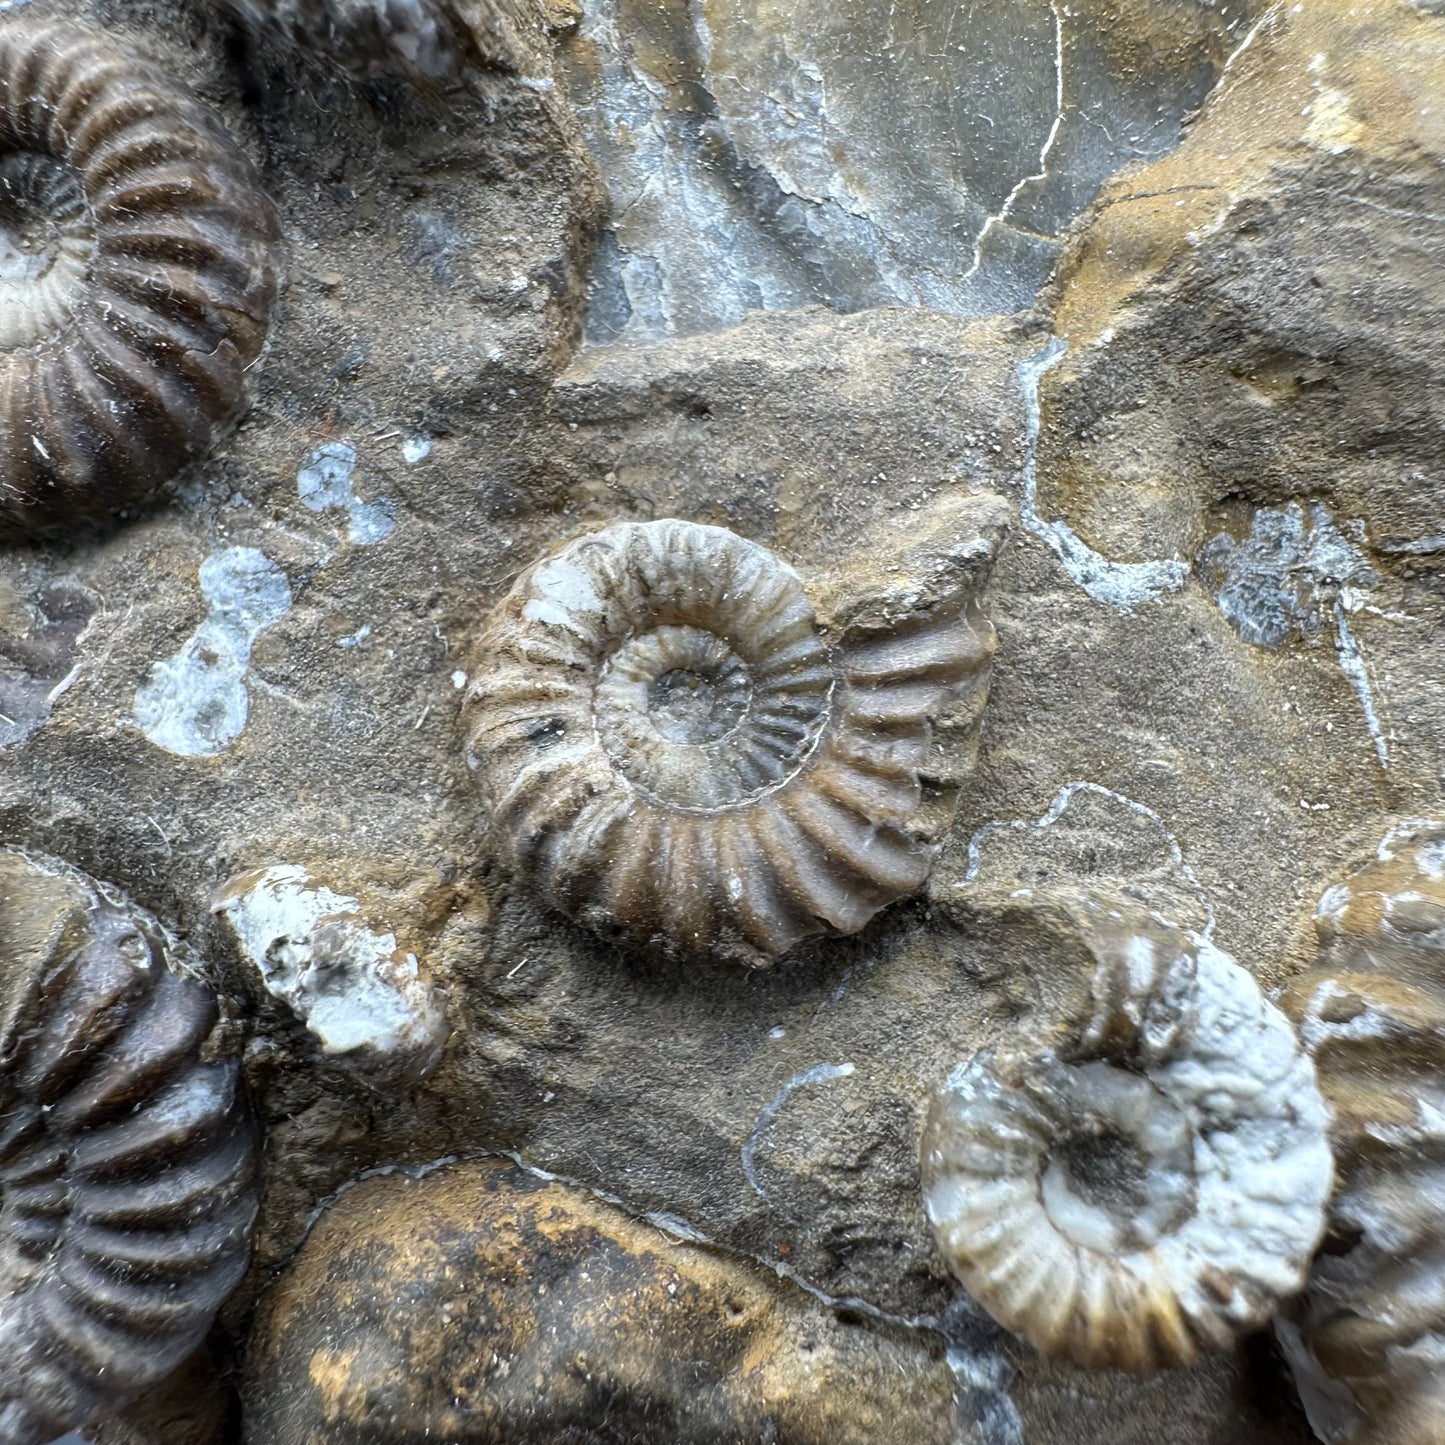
<point x="47" y="241"/>
<point x="692" y="724"/>
<point x="691" y="707"/>
<point x="1120" y="1178"/>
<point x="690" y="683"/>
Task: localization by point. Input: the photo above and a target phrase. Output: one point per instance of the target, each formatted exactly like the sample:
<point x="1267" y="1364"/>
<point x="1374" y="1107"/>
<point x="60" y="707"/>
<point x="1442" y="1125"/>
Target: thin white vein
<point x="1265" y="20"/>
<point x="999" y="216"/>
<point x="1055" y="811"/>
<point x="1352" y="664"/>
<point x="1123" y="586"/>
<point x="767" y="1116"/>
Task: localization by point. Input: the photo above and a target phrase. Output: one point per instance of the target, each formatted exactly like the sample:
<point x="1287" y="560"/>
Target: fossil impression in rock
<point x="676" y="750"/>
<point x="1372" y="1013"/>
<point x="137" y="276"/>
<point x="428" y="40"/>
<point x="1147" y="1182"/>
<point x="128" y="1164"/>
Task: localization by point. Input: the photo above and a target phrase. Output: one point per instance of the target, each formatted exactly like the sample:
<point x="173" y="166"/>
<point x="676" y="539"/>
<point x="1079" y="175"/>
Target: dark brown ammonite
<point x="128" y="1161"/>
<point x="137" y="277"/>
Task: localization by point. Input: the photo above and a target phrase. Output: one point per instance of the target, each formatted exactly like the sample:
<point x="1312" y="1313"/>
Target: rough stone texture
<point x="1255" y="321"/>
<point x="424" y="427"/>
<point x="762" y="153"/>
<point x="482" y="1304"/>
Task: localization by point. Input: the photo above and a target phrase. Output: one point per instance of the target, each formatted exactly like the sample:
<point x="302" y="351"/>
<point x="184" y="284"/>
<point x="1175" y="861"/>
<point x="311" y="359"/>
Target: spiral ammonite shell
<point x="128" y="1163"/>
<point x="1372" y="1013"/>
<point x="674" y="750"/>
<point x="1153" y="1184"/>
<point x="137" y="277"/>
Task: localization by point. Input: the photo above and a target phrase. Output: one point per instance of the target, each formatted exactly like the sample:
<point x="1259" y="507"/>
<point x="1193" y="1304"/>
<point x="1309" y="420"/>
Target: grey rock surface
<point x="268" y="668"/>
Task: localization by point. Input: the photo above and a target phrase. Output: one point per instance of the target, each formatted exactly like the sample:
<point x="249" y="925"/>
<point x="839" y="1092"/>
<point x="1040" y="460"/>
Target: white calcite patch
<point x="364" y="999"/>
<point x="195" y="703"/>
<point x="1124" y="586"/>
<point x="325" y="482"/>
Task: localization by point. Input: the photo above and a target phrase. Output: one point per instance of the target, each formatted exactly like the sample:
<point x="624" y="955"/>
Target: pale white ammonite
<point x="675" y="750"/>
<point x="1151" y="1183"/>
<point x="1372" y="1014"/>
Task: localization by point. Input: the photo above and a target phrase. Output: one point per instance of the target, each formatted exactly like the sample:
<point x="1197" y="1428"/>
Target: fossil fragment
<point x="1150" y="1182"/>
<point x="483" y="1305"/>
<point x="428" y="40"/>
<point x="128" y="1165"/>
<point x="674" y="748"/>
<point x="363" y="998"/>
<point x="1373" y="1015"/>
<point x="137" y="276"/>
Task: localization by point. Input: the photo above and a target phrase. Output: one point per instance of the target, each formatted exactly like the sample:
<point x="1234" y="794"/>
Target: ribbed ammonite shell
<point x="128" y="1164"/>
<point x="137" y="277"/>
<point x="1372" y="1013"/>
<point x="674" y="750"/>
<point x="1153" y="1182"/>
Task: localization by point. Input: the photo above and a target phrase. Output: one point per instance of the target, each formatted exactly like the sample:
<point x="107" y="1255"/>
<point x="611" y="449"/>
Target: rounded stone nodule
<point x="675" y="750"/>
<point x="137" y="277"/>
<point x="481" y="1304"/>
<point x="1147" y="1184"/>
<point x="129" y="1163"/>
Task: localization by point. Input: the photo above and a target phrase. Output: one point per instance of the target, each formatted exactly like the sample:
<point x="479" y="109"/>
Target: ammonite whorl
<point x="1373" y="1015"/>
<point x="426" y="40"/>
<point x="128" y="1163"/>
<point x="1152" y="1182"/>
<point x="137" y="276"/>
<point x="675" y="751"/>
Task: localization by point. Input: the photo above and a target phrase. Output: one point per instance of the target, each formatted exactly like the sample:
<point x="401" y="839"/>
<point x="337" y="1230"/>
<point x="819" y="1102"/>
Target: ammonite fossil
<point x="1150" y="1182"/>
<point x="1373" y="1015"/>
<point x="428" y="40"/>
<point x="128" y="1164"/>
<point x="137" y="276"/>
<point x="675" y="750"/>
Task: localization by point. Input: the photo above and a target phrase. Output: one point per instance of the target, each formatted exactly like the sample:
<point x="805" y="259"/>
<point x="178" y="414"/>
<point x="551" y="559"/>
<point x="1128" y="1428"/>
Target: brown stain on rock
<point x="1258" y="311"/>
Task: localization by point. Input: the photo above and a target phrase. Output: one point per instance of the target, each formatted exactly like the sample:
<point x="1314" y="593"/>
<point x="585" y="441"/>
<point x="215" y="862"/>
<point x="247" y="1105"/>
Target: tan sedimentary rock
<point x="1149" y="1182"/>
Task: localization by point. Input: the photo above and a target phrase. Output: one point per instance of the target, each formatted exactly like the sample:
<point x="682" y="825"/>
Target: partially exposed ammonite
<point x="128" y="1164"/>
<point x="428" y="40"/>
<point x="1151" y="1182"/>
<point x="675" y="750"/>
<point x="137" y="276"/>
<point x="1373" y="1015"/>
